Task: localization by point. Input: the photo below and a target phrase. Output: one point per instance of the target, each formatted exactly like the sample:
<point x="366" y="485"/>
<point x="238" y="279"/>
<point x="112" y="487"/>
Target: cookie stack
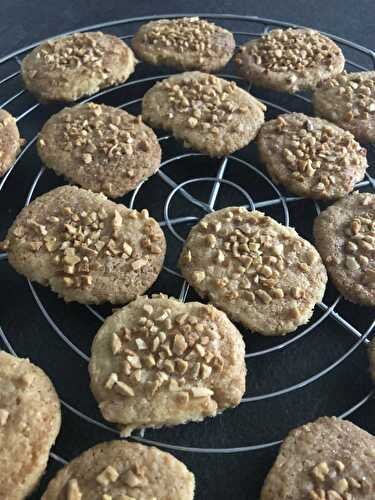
<point x="158" y="361"/>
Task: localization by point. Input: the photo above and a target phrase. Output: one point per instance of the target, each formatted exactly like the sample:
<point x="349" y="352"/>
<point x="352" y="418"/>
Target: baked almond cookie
<point x="86" y="248"/>
<point x="187" y="43"/>
<point x="159" y="361"/>
<point x="311" y="157"/>
<point x="345" y="237"/>
<point x="30" y="420"/>
<point x="261" y="273"/>
<point x="73" y="66"/>
<point x="10" y="141"/>
<point x="329" y="459"/>
<point x="120" y="470"/>
<point x="209" y="114"/>
<point x="289" y="60"/>
<point x="99" y="147"/>
<point x="349" y="101"/>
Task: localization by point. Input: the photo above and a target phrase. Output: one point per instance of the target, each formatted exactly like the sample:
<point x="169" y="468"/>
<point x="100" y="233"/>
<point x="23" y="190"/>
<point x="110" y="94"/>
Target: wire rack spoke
<point x="216" y="186"/>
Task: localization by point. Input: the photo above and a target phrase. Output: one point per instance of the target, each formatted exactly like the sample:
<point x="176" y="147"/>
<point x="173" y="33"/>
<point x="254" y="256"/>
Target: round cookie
<point x="87" y="248"/>
<point x="188" y="43"/>
<point x="99" y="147"/>
<point x="289" y="60"/>
<point x="120" y="470"/>
<point x="329" y="459"/>
<point x="261" y="273"/>
<point x="345" y="237"/>
<point x="209" y="114"/>
<point x="73" y="66"/>
<point x="349" y="101"/>
<point x="311" y="157"/>
<point x="158" y="361"/>
<point x="10" y="141"/>
<point x="30" y="420"/>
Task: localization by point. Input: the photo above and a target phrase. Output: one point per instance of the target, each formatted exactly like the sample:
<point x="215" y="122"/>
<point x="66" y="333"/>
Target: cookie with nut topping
<point x="209" y="114"/>
<point x="188" y="43"/>
<point x="261" y="273"/>
<point x="99" y="147"/>
<point x="85" y="247"/>
<point x="329" y="459"/>
<point x="73" y="66"/>
<point x="10" y="141"/>
<point x="30" y="419"/>
<point x="345" y="237"/>
<point x="120" y="470"/>
<point x="289" y="60"/>
<point x="311" y="157"/>
<point x="349" y="101"/>
<point x="158" y="361"/>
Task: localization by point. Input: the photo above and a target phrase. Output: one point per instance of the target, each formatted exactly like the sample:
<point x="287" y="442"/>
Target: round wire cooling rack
<point x="188" y="186"/>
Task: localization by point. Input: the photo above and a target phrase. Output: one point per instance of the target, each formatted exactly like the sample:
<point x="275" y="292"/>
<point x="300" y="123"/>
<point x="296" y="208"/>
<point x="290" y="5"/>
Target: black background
<point x="219" y="476"/>
<point x="25" y="21"/>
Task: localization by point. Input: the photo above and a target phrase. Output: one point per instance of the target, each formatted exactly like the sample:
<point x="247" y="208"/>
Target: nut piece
<point x="4" y="415"/>
<point x="124" y="389"/>
<point x="107" y="476"/>
<point x="131" y="479"/>
<point x="201" y="392"/>
<point x="320" y="471"/>
<point x="116" y="344"/>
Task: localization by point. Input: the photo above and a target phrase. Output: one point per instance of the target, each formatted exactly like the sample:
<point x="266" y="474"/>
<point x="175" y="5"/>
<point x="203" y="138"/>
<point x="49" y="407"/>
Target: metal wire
<point x="179" y="189"/>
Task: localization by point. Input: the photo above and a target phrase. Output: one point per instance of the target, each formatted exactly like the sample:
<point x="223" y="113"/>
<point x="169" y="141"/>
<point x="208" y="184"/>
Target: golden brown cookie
<point x="118" y="470"/>
<point x="73" y="66"/>
<point x="85" y="247"/>
<point x="311" y="157"/>
<point x="345" y="237"/>
<point x="349" y="101"/>
<point x="289" y="60"/>
<point x="30" y="420"/>
<point x="209" y="114"/>
<point x="100" y="148"/>
<point x="258" y="271"/>
<point x="329" y="459"/>
<point x="188" y="43"/>
<point x="10" y="141"/>
<point x="158" y="361"/>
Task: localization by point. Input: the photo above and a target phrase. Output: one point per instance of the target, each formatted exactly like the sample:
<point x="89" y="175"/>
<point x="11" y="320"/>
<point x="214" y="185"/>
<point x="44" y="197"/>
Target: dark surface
<point x="219" y="475"/>
<point x="25" y="21"/>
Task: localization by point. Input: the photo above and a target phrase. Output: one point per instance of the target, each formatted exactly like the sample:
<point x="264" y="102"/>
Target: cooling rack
<point x="320" y="369"/>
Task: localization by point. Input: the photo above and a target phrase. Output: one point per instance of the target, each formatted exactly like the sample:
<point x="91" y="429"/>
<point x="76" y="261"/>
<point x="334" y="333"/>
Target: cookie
<point x="311" y="157"/>
<point x="371" y="355"/>
<point x="10" y="141"/>
<point x="345" y="237"/>
<point x="289" y="60"/>
<point x="86" y="248"/>
<point x="120" y="470"/>
<point x="30" y="420"/>
<point x="329" y="459"/>
<point x="261" y="273"/>
<point x="209" y="114"/>
<point x="73" y="66"/>
<point x="188" y="43"/>
<point x="349" y="101"/>
<point x="159" y="361"/>
<point x="100" y="148"/>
